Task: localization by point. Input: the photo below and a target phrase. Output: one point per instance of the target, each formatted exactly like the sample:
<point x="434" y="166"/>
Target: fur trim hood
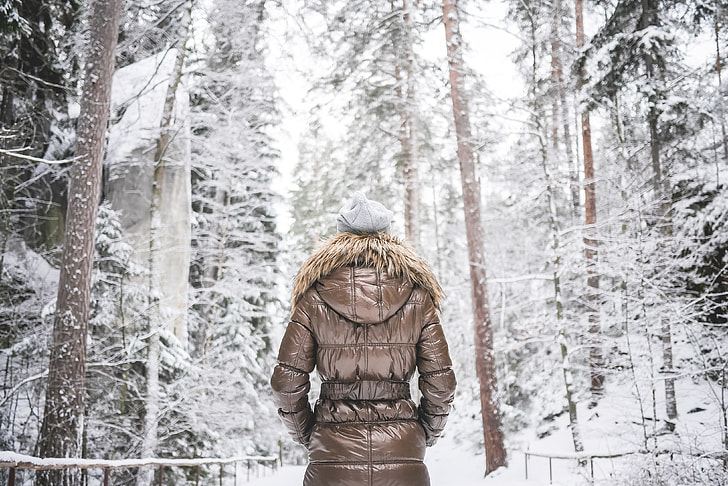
<point x="382" y="251"/>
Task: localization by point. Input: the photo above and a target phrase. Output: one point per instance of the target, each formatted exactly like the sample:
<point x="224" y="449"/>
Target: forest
<point x="166" y="166"/>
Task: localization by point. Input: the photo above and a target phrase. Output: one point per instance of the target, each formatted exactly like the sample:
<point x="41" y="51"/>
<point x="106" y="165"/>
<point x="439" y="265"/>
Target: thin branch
<point x="17" y="155"/>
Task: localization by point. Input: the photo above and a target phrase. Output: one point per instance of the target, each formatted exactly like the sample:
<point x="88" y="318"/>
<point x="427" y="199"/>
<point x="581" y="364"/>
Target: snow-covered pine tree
<point x="376" y="73"/>
<point x="633" y="58"/>
<point x="235" y="240"/>
<point x="321" y="189"/>
<point x="147" y="27"/>
<point x="591" y="242"/>
<point x="40" y="74"/>
<point x="115" y="378"/>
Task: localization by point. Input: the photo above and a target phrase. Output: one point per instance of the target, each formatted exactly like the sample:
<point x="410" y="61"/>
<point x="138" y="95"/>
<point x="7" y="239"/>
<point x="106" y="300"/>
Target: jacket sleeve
<point x="290" y="380"/>
<point x="437" y="379"/>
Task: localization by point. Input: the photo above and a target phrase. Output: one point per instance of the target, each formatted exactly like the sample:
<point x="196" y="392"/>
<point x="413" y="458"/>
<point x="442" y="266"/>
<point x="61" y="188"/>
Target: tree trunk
<point x="662" y="196"/>
<point x="408" y="133"/>
<point x="557" y="73"/>
<point x="569" y="387"/>
<point x="566" y="367"/>
<point x="62" y="426"/>
<point x="7" y="189"/>
<point x="495" y="452"/>
<point x="721" y="97"/>
<point x="596" y="359"/>
<point x="156" y="320"/>
<point x="558" y="301"/>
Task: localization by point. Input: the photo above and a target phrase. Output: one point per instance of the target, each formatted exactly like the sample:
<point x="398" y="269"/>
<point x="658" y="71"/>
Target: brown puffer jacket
<point x="365" y="315"/>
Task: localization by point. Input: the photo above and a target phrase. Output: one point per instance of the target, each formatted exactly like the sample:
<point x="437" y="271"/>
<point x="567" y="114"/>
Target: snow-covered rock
<point x="138" y="98"/>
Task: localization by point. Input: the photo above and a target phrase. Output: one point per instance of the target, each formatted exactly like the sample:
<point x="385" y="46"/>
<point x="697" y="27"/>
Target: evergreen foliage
<point x="235" y="239"/>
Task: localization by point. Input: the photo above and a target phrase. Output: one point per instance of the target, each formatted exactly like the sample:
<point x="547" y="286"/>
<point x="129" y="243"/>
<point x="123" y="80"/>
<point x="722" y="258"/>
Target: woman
<point x="365" y="314"/>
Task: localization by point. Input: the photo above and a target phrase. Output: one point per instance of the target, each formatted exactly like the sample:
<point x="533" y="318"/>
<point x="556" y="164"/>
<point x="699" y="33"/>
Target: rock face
<point x="138" y="97"/>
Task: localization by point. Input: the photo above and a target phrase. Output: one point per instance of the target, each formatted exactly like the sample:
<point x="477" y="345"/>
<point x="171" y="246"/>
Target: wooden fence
<point x="584" y="458"/>
<point x="578" y="457"/>
<point x="13" y="461"/>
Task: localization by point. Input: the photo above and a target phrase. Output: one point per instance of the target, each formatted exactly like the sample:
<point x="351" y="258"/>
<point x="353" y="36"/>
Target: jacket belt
<point x="365" y="390"/>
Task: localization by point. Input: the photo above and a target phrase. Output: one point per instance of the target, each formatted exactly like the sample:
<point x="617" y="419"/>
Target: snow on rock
<point x="138" y="99"/>
<point x="36" y="271"/>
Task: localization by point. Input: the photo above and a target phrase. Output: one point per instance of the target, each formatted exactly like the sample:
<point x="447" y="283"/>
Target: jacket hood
<point x="363" y="295"/>
<point x="379" y="268"/>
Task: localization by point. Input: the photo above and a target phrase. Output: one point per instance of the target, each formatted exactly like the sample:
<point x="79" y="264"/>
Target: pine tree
<point x="235" y="239"/>
<point x="645" y="57"/>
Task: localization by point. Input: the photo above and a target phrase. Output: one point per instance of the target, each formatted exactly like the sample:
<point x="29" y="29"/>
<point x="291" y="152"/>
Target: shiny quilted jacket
<point x="365" y="322"/>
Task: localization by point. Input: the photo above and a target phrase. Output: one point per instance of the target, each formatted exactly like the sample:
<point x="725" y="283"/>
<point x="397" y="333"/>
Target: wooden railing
<point x="584" y="458"/>
<point x="13" y="461"/>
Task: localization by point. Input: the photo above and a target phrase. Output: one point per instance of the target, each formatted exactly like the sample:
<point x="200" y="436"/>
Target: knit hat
<point x="363" y="216"/>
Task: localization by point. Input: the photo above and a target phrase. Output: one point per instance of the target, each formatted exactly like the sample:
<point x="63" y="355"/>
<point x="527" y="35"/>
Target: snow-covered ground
<point x="450" y="465"/>
<point x="615" y="426"/>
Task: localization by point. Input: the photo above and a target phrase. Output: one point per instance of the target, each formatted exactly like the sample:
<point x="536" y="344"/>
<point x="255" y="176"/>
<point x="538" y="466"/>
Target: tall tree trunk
<point x="566" y="367"/>
<point x="62" y="427"/>
<point x="596" y="358"/>
<point x="565" y="363"/>
<point x="7" y="186"/>
<point x="662" y="196"/>
<point x="718" y="70"/>
<point x="557" y="72"/>
<point x="495" y="452"/>
<point x="156" y="320"/>
<point x="408" y="130"/>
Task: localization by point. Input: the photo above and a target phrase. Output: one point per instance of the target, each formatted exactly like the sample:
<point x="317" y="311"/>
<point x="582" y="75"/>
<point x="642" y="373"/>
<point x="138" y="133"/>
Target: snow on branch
<point x="15" y="153"/>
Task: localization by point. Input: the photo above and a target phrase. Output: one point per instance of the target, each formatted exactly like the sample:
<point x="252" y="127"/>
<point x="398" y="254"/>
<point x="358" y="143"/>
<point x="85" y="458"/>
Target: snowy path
<point x="450" y="466"/>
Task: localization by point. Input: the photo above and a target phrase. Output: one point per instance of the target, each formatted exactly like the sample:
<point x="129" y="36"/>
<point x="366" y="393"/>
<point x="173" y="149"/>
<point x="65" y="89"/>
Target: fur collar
<point x="379" y="250"/>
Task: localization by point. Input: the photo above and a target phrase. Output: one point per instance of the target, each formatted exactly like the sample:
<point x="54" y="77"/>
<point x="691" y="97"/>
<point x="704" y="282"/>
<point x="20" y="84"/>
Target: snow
<point x="611" y="428"/>
<point x="448" y="465"/>
<point x="138" y="94"/>
<point x="9" y="458"/>
<point x="40" y="274"/>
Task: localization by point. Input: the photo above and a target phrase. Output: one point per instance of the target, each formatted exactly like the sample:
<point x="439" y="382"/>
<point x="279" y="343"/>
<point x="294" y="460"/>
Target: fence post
<point x="11" y="477"/>
<point x="161" y="471"/>
<point x="248" y="470"/>
<point x="106" y="476"/>
<point x="221" y="466"/>
<point x="280" y="451"/>
<point x="551" y="472"/>
<point x="197" y="475"/>
<point x="591" y="463"/>
<point x="235" y="473"/>
<point x="525" y="458"/>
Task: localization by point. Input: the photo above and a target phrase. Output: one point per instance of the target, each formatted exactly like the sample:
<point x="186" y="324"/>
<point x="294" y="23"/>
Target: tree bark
<point x="408" y="133"/>
<point x="566" y="367"/>
<point x="495" y="452"/>
<point x="662" y="196"/>
<point x="562" y="114"/>
<point x="596" y="359"/>
<point x="62" y="427"/>
<point x="156" y="320"/>
<point x="718" y="70"/>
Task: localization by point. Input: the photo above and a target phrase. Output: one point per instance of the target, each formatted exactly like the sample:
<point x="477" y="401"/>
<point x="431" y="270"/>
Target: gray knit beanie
<point x="363" y="216"/>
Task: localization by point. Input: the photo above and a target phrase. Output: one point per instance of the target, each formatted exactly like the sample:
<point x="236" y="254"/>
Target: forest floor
<point x="450" y="466"/>
<point x="614" y="426"/>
